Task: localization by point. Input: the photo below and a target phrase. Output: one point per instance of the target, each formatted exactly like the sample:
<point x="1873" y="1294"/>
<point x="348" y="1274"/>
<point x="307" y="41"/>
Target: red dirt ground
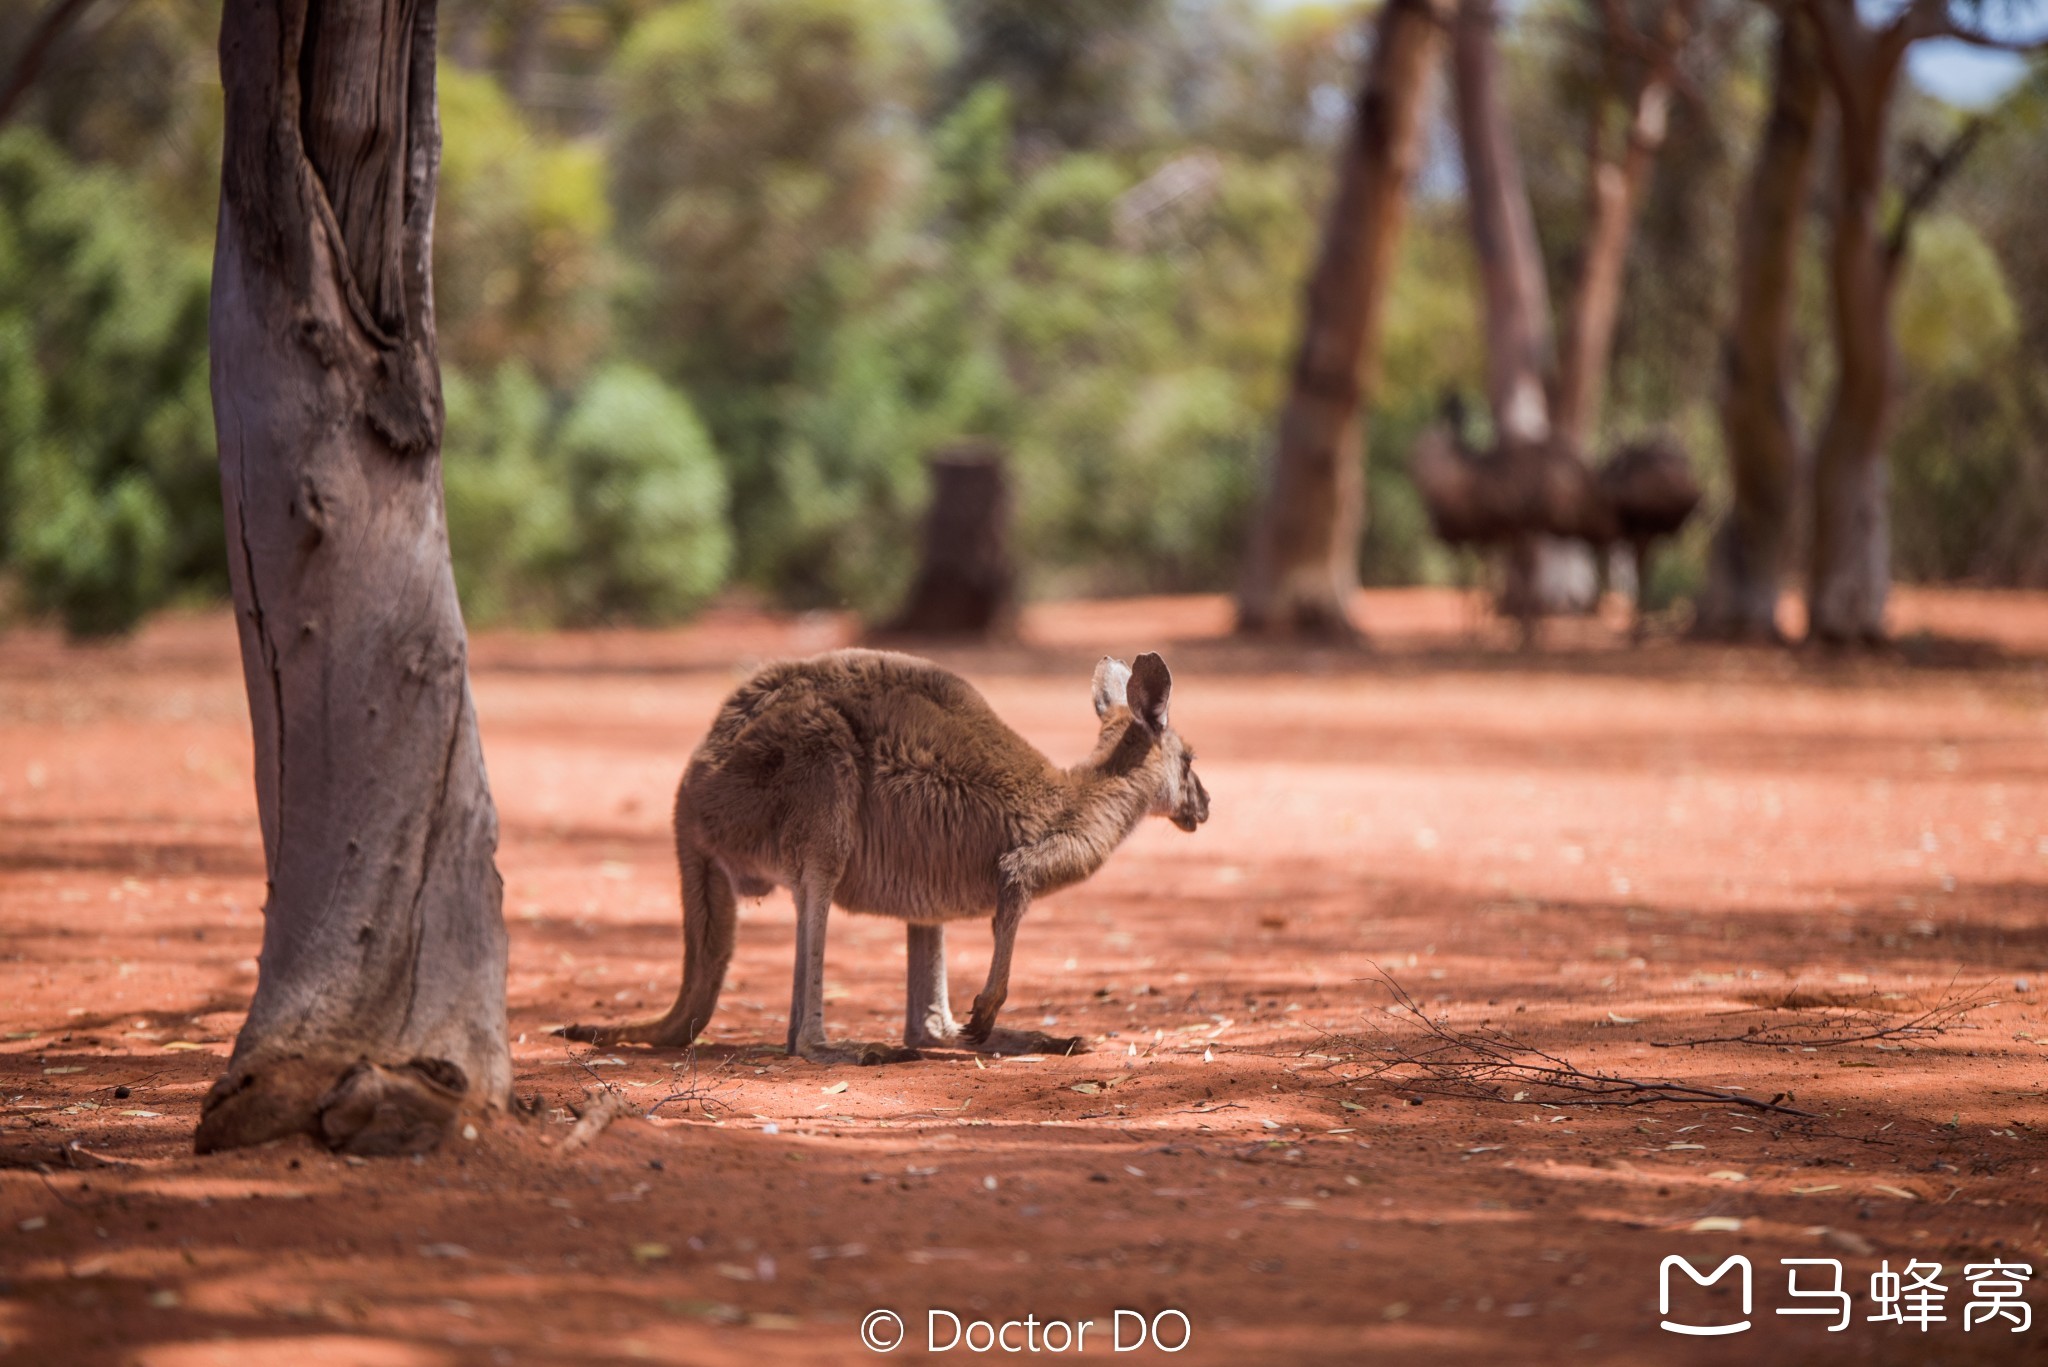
<point x="1595" y="848"/>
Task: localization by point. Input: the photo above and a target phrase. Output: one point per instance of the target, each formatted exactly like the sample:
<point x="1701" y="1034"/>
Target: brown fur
<point x="884" y="784"/>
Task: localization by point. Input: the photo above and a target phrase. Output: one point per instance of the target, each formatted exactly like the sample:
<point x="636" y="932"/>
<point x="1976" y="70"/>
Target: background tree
<point x="1970" y="450"/>
<point x="1543" y="573"/>
<point x="379" y="1011"/>
<point x="1302" y="563"/>
<point x="1546" y="405"/>
<point x="1643" y="67"/>
<point x="1850" y="571"/>
<point x="1117" y="306"/>
<point x="1760" y="426"/>
<point x="1520" y="347"/>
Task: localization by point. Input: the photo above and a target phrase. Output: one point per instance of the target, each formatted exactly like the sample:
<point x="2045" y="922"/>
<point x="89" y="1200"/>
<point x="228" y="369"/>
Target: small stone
<point x="122" y="1093"/>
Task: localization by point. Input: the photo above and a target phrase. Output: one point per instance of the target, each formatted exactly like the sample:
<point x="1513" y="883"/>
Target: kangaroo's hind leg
<point x="817" y="841"/>
<point x="928" y="1015"/>
<point x="710" y="911"/>
<point x="807" y="989"/>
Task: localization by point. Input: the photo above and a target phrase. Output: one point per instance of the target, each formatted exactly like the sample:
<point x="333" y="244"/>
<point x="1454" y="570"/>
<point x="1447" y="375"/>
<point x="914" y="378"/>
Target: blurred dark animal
<point x="1649" y="490"/>
<point x="1472" y="497"/>
<point x="1506" y="497"/>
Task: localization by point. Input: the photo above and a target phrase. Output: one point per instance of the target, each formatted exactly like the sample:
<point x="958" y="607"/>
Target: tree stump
<point x="966" y="582"/>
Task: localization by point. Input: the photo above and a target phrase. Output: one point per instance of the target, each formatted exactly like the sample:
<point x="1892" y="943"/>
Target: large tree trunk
<point x="1849" y="574"/>
<point x="1543" y="573"/>
<point x="1758" y="422"/>
<point x="1302" y="565"/>
<point x="1615" y="186"/>
<point x="379" y="1012"/>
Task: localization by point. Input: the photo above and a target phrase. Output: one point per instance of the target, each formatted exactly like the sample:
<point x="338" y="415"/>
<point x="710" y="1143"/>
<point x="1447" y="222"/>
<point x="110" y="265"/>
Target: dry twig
<point x="694" y="1090"/>
<point x="1819" y="1029"/>
<point x="1482" y="1065"/>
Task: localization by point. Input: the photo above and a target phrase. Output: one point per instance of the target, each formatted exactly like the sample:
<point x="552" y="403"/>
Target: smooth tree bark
<point x="1759" y="425"/>
<point x="379" y="1012"/>
<point x="1849" y="571"/>
<point x="1616" y="178"/>
<point x="1302" y="564"/>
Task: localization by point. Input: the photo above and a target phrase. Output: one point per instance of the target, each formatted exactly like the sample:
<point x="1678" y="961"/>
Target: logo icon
<point x="1702" y="1330"/>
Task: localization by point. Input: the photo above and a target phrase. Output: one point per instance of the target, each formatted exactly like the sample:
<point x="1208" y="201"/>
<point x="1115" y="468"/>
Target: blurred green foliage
<point x="106" y="433"/>
<point x="608" y="504"/>
<point x="1970" y="457"/>
<point x="715" y="276"/>
<point x="522" y="230"/>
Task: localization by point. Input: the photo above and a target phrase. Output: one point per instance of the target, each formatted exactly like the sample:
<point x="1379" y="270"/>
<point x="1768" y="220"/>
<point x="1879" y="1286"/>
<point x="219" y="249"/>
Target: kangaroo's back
<point x="929" y="786"/>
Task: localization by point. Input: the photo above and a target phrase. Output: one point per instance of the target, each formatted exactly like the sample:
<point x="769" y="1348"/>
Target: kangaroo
<point x="887" y="785"/>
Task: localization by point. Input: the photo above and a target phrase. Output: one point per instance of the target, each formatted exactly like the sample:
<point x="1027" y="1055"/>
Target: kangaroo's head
<point x="1135" y="696"/>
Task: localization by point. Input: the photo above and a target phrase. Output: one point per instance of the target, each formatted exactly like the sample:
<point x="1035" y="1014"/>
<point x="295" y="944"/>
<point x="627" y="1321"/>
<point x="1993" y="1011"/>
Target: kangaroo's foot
<point x="658" y="1033"/>
<point x="934" y="1032"/>
<point x="1003" y="1041"/>
<point x="865" y="1055"/>
<point x="995" y="1040"/>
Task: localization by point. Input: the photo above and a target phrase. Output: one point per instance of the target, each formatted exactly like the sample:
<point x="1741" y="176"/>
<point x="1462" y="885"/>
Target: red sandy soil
<point x="1596" y="848"/>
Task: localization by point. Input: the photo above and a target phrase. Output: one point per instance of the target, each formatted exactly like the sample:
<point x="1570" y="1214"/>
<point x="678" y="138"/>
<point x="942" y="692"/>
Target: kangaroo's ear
<point x="1148" y="690"/>
<point x="1112" y="676"/>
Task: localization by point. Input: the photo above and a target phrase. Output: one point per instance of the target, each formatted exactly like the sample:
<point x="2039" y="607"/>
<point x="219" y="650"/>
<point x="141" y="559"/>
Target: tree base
<point x="1848" y="640"/>
<point x="1320" y="623"/>
<point x="1735" y="633"/>
<point x="350" y="1105"/>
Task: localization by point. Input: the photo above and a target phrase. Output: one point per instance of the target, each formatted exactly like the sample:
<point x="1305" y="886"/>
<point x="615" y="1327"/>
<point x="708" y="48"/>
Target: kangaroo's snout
<point x="1193" y="808"/>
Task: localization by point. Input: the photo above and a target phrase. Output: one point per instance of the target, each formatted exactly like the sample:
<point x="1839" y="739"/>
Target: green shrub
<point x="112" y="496"/>
<point x="508" y="514"/>
<point x="614" y="510"/>
<point x="647" y="500"/>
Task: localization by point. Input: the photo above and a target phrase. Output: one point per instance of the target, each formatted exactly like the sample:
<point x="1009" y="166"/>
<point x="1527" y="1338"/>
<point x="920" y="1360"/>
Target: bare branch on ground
<point x="1831" y="1027"/>
<point x="1492" y="1065"/>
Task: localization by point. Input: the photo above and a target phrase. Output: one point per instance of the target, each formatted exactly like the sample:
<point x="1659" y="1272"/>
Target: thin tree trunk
<point x="1758" y="423"/>
<point x="1302" y="565"/>
<point x="1615" y="188"/>
<point x="1849" y="574"/>
<point x="1519" y="347"/>
<point x="1543" y="573"/>
<point x="379" y="1013"/>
